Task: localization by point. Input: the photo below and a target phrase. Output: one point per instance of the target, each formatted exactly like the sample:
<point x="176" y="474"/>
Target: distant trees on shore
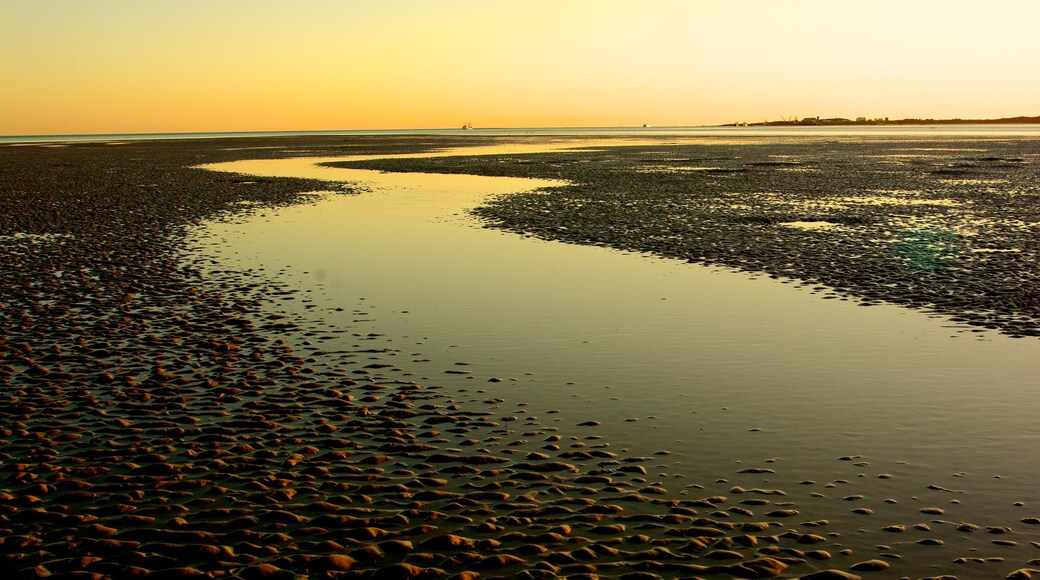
<point x="794" y="121"/>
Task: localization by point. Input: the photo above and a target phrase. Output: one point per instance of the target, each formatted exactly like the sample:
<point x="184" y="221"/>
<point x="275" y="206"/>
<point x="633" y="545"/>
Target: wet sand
<point x="947" y="225"/>
<point x="162" y="423"/>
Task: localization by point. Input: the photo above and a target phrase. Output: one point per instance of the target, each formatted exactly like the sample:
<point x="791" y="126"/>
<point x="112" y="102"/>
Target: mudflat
<point x="160" y="422"/>
<point x="947" y="225"/>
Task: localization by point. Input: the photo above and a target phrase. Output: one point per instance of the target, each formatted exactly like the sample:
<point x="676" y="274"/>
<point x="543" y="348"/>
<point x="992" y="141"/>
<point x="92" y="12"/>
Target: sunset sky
<point x="127" y="66"/>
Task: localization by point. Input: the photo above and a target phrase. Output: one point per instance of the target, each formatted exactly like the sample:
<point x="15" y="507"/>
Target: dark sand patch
<point x="952" y="231"/>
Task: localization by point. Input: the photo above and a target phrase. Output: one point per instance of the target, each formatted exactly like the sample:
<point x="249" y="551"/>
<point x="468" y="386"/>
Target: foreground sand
<point x="155" y="423"/>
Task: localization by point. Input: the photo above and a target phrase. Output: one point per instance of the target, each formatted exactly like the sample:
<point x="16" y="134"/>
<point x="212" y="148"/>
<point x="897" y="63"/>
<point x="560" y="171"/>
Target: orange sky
<point x="124" y="66"/>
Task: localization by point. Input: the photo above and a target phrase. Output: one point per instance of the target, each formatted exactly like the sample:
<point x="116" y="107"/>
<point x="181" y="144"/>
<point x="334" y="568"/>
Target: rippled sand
<point x="162" y="422"/>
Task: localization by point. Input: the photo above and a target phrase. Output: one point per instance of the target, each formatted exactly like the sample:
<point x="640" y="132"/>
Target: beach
<point x="946" y="224"/>
<point x="168" y="414"/>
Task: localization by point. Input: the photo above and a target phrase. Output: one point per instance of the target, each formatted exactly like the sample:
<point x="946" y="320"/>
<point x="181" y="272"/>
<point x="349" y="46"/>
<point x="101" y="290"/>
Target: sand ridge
<point x="947" y="226"/>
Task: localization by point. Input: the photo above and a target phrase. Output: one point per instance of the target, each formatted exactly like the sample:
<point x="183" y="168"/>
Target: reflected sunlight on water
<point x="715" y="366"/>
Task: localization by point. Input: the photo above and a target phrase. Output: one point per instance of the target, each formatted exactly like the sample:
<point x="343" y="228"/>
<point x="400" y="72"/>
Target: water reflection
<point x="714" y="366"/>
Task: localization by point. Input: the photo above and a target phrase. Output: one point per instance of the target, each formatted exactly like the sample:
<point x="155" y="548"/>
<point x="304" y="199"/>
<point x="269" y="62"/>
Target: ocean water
<point x="714" y="370"/>
<point x="949" y="130"/>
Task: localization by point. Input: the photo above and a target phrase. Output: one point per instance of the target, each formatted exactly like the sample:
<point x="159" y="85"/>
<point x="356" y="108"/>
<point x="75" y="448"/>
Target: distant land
<point x="794" y="121"/>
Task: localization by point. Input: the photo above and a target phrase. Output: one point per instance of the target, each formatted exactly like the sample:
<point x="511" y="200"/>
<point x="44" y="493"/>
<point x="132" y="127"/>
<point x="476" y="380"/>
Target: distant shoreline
<point x="806" y="122"/>
<point x="863" y="122"/>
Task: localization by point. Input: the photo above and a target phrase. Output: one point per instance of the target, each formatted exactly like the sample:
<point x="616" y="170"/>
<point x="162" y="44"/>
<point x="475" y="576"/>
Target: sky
<point x="134" y="66"/>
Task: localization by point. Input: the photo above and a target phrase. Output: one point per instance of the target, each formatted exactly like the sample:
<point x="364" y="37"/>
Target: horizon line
<point x="795" y="123"/>
<point x="245" y="131"/>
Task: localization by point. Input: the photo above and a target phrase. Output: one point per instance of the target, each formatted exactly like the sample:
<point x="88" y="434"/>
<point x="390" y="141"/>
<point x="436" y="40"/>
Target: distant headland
<point x="815" y="121"/>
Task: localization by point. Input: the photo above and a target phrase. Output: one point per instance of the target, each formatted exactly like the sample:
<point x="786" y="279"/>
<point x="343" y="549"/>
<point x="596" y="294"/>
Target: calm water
<point x="722" y="369"/>
<point x="949" y="130"/>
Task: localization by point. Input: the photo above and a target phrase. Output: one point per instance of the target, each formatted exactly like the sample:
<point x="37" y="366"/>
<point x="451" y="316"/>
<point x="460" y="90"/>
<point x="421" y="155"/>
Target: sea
<point x="1011" y="130"/>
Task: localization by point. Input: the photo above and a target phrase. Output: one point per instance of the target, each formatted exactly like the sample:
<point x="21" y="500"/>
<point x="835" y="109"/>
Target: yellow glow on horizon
<point x="113" y="66"/>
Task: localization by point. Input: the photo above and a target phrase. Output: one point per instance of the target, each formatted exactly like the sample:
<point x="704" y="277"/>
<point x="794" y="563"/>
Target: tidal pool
<point x="847" y="409"/>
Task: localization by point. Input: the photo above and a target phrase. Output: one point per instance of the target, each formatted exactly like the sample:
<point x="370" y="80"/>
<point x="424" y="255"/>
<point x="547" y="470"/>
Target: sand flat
<point x="183" y="408"/>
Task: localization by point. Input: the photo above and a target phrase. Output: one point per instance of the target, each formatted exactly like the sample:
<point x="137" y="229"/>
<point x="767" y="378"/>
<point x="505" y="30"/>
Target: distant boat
<point x="468" y="126"/>
<point x="646" y="125"/>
